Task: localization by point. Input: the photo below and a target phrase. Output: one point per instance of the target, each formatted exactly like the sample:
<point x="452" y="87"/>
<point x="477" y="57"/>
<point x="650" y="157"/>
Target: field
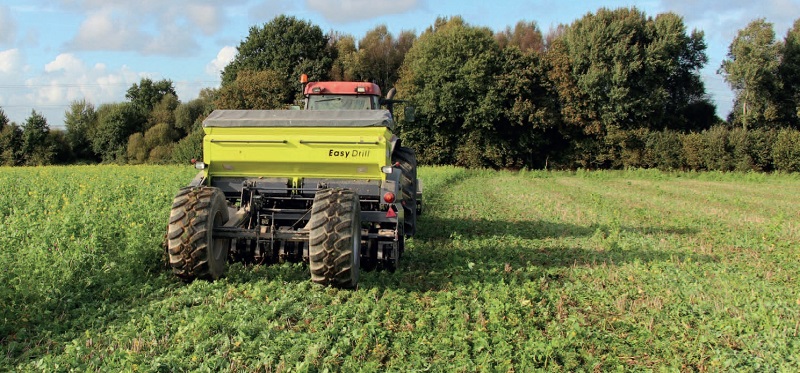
<point x="559" y="271"/>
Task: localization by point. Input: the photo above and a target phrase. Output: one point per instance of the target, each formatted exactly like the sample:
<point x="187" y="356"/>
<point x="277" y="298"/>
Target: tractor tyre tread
<point x="408" y="187"/>
<point x="191" y="249"/>
<point x="335" y="238"/>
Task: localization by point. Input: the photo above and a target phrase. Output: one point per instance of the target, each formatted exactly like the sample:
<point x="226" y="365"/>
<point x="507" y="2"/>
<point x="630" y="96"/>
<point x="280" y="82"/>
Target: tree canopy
<point x="790" y="76"/>
<point x="253" y="90"/>
<point x="380" y="55"/>
<point x="36" y="148"/>
<point x="751" y="70"/>
<point x="147" y="94"/>
<point x="615" y="88"/>
<point x="287" y="46"/>
<point x="79" y="121"/>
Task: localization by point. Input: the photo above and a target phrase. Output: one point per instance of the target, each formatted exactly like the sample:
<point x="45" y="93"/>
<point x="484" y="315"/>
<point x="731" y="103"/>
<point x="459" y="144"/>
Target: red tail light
<point x="388" y="197"/>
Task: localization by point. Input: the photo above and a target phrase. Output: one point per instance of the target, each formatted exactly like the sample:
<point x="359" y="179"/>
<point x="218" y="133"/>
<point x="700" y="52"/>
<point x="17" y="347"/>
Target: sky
<point x="55" y="52"/>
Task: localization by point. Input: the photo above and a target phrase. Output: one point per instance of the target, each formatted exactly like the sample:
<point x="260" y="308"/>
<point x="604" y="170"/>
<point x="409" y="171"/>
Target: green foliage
<point x="161" y="154"/>
<point x="521" y="134"/>
<point x="163" y="111"/>
<point x="692" y="147"/>
<point x="717" y="151"/>
<point x="345" y="61"/>
<point x="254" y="90"/>
<point x="155" y="146"/>
<point x="10" y="145"/>
<point x="614" y="89"/>
<point x="62" y="152"/>
<point x="663" y="150"/>
<point x="752" y="150"/>
<point x="137" y="150"/>
<point x="759" y="148"/>
<point x="148" y="94"/>
<point x="786" y="151"/>
<point x="674" y="59"/>
<point x="379" y="56"/>
<point x="115" y="124"/>
<point x="288" y="47"/>
<point x="751" y="69"/>
<point x="189" y="148"/>
<point x="189" y="116"/>
<point x="79" y="122"/>
<point x="160" y="134"/>
<point x="36" y="149"/>
<point x="4" y="121"/>
<point x="789" y="71"/>
<point x="619" y="68"/>
<point x="449" y="74"/>
<point x="512" y="271"/>
<point x="526" y="36"/>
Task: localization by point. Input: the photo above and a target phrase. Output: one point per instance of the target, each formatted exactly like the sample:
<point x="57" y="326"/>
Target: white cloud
<point x="8" y="28"/>
<point x="723" y="19"/>
<point x="224" y="57"/>
<point x="105" y="30"/>
<point x="149" y="27"/>
<point x="174" y="41"/>
<point x="67" y="78"/>
<point x="10" y="61"/>
<point x="205" y="17"/>
<point x="344" y="11"/>
<point x="63" y="80"/>
<point x="65" y="62"/>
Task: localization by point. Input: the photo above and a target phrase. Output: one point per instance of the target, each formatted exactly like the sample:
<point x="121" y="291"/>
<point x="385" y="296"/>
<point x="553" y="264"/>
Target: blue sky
<point x="58" y="51"/>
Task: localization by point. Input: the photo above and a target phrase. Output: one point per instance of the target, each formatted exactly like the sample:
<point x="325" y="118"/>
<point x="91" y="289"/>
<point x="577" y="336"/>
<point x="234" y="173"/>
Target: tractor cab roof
<point x="342" y="88"/>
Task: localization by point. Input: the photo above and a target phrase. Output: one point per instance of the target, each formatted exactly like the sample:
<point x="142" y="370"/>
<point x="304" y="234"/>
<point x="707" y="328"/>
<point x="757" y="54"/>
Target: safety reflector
<point x="391" y="213"/>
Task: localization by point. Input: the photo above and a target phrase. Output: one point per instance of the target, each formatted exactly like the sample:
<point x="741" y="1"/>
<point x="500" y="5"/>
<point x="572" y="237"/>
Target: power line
<point x="32" y="106"/>
<point x="89" y="85"/>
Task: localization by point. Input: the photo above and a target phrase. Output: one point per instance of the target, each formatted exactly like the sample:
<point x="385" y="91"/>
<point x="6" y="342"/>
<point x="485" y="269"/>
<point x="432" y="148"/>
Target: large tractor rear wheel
<point x="193" y="252"/>
<point x="335" y="238"/>
<point x="408" y="186"/>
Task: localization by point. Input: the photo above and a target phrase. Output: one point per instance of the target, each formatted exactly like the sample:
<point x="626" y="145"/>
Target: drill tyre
<point x="408" y="187"/>
<point x="192" y="250"/>
<point x="335" y="238"/>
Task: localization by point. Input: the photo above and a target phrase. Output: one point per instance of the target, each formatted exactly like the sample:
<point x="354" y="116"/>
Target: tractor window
<point x="341" y="102"/>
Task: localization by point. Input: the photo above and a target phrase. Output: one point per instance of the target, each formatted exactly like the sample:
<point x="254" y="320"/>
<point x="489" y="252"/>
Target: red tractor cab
<point x="342" y="95"/>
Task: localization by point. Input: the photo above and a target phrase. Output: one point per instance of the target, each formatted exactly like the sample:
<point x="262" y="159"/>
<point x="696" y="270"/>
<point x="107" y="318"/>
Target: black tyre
<point x="193" y="252"/>
<point x="335" y="238"/>
<point x="408" y="186"/>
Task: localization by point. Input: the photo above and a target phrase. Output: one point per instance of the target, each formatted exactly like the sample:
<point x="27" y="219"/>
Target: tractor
<point x="330" y="186"/>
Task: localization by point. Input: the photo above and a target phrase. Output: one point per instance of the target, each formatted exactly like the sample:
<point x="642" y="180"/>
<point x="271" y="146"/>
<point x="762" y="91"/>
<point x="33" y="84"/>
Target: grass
<point x="562" y="271"/>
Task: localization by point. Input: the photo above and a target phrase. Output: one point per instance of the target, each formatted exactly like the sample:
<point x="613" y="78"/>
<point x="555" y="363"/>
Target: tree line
<point x="614" y="89"/>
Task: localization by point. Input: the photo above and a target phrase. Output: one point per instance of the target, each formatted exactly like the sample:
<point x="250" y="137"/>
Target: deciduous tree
<point x="380" y="55"/>
<point x="790" y="76"/>
<point x="147" y="94"/>
<point x="115" y="123"/>
<point x="751" y="69"/>
<point x="36" y="149"/>
<point x="287" y="46"/>
<point x="10" y="142"/>
<point x="525" y="35"/>
<point x="253" y="90"/>
<point x="79" y="121"/>
<point x="619" y="70"/>
<point x="447" y="74"/>
<point x="346" y="57"/>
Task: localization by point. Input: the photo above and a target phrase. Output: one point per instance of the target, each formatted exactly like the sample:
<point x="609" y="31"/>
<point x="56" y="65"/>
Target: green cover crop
<point x="560" y="271"/>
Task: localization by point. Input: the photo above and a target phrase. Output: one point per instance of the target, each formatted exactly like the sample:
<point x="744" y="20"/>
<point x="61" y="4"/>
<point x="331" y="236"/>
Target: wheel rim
<point x="356" y="243"/>
<point x="218" y="251"/>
